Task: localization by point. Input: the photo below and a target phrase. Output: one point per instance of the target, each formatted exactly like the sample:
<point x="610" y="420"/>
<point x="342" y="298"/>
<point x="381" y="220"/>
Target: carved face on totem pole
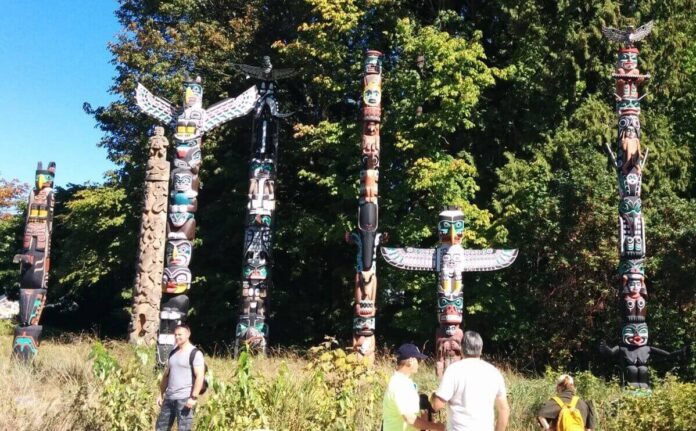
<point x="184" y="181"/>
<point x="451" y="226"/>
<point x="255" y="268"/>
<point x="634" y="283"/>
<point x="635" y="307"/>
<point x="193" y="93"/>
<point x="372" y="95"/>
<point x="364" y="326"/>
<point x="176" y="280"/>
<point x="44" y="178"/>
<point x="188" y="155"/>
<point x="450" y="308"/>
<point x="182" y="224"/>
<point x="628" y="60"/>
<point x="373" y="62"/>
<point x="635" y="334"/>
<point x="260" y="168"/>
<point x="178" y="252"/>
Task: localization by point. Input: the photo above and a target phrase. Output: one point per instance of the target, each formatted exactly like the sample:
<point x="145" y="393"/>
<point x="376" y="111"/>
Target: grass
<point x="284" y="391"/>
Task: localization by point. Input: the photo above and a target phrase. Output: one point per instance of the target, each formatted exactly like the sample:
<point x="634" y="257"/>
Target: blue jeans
<point x="171" y="410"/>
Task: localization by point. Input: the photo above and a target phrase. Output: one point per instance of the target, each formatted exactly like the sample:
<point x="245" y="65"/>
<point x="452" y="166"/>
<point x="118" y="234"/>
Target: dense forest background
<point x="505" y="114"/>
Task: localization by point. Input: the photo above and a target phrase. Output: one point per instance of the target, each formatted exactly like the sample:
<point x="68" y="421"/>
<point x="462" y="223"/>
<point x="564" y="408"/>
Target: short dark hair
<point x="183" y="326"/>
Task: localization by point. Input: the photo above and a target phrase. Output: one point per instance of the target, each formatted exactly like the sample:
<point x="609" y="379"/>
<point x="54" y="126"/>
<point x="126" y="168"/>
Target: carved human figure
<point x="630" y="150"/>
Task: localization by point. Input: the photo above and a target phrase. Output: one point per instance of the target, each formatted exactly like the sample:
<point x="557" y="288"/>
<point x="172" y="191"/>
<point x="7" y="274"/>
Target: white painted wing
<point x="417" y="259"/>
<point x="278" y="74"/>
<point x="229" y="109"/>
<point x="641" y="32"/>
<point x="487" y="259"/>
<point x="154" y="106"/>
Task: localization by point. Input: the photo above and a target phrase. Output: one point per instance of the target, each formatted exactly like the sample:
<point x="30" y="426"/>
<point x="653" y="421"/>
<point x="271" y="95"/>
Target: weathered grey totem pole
<point x="147" y="291"/>
<point x="365" y="236"/>
<point x="450" y="259"/>
<point x="633" y="353"/>
<point x="34" y="263"/>
<point x="190" y="122"/>
<point x="252" y="328"/>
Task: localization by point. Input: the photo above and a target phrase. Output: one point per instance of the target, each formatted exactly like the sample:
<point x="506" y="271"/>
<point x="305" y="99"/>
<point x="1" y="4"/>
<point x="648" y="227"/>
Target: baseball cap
<point x="407" y="351"/>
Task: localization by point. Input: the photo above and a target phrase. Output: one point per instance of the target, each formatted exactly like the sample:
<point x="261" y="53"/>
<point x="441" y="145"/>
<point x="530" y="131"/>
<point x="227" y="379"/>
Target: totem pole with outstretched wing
<point x="450" y="260"/>
<point x="190" y="122"/>
<point x="252" y="328"/>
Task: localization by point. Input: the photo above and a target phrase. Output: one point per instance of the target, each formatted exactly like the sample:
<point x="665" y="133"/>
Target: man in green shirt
<point x="401" y="405"/>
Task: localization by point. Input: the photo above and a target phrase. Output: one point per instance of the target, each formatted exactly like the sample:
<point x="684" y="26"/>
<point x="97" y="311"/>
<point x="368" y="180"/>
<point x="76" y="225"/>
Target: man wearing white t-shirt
<point x="401" y="405"/>
<point x="470" y="388"/>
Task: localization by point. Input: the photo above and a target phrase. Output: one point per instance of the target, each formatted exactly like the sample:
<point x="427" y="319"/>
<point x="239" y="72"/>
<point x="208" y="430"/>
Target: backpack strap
<point x="574" y="401"/>
<point x="559" y="401"/>
<point x="174" y="350"/>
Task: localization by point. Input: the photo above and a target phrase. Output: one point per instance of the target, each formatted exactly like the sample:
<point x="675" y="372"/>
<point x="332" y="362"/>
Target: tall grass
<point x="77" y="383"/>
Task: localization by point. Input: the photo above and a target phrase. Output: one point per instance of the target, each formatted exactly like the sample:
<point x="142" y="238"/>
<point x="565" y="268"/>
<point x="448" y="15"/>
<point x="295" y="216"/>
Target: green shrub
<point x="126" y="399"/>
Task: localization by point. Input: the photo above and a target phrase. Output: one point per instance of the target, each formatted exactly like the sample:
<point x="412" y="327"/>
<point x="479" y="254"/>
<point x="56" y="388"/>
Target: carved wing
<point x="154" y="106"/>
<point x="245" y="69"/>
<point x="277" y="74"/>
<point x="614" y="34"/>
<point x="641" y="32"/>
<point x="229" y="109"/>
<point x="488" y="259"/>
<point x="417" y="259"/>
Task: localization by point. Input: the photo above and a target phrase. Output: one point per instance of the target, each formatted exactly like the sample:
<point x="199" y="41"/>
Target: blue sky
<point x="53" y="58"/>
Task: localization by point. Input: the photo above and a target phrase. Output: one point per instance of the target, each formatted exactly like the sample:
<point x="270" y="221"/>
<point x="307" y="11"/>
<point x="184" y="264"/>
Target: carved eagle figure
<point x="266" y="72"/>
<point x="629" y="35"/>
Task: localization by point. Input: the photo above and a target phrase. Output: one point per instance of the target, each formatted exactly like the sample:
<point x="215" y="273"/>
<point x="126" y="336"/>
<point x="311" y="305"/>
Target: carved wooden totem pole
<point x="190" y="122"/>
<point x="633" y="354"/>
<point x="450" y="259"/>
<point x="366" y="236"/>
<point x="147" y="292"/>
<point x="252" y="328"/>
<point x="34" y="263"/>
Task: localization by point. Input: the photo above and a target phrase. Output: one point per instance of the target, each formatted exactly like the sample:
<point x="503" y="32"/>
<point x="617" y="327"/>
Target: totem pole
<point x="633" y="354"/>
<point x="450" y="259"/>
<point x="34" y="263"/>
<point x="190" y="122"/>
<point x="147" y="291"/>
<point x="252" y="328"/>
<point x="365" y="236"/>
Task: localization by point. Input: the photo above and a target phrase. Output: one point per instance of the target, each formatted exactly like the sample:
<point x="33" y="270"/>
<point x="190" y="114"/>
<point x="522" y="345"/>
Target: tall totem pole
<point x="190" y="122"/>
<point x="450" y="259"/>
<point x="633" y="354"/>
<point x="252" y="328"/>
<point x="147" y="291"/>
<point x="34" y="263"/>
<point x="366" y="236"/>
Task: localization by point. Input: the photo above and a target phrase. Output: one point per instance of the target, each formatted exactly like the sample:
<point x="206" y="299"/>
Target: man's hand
<point x="190" y="403"/>
<point x="160" y="400"/>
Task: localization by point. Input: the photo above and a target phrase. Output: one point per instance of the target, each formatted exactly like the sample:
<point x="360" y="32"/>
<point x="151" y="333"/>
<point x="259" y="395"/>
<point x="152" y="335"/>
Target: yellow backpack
<point x="570" y="418"/>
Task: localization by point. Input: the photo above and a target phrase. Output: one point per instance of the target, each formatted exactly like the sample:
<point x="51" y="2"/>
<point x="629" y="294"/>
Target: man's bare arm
<point x="199" y="372"/>
<point x="437" y="403"/>
<point x="503" y="409"/>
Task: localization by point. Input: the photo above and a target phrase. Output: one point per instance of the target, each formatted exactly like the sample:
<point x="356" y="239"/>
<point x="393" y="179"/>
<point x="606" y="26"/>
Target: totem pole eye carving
<point x="189" y="122"/>
<point x="450" y="259"/>
<point x="252" y="329"/>
<point x="34" y="264"/>
<point x="634" y="353"/>
<point x="366" y="237"/>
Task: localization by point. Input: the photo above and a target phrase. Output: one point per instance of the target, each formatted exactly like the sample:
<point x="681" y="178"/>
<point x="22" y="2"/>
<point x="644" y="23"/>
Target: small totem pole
<point x="190" y="122"/>
<point x="633" y="354"/>
<point x="365" y="236"/>
<point x="450" y="259"/>
<point x="147" y="292"/>
<point x="252" y="328"/>
<point x="34" y="264"/>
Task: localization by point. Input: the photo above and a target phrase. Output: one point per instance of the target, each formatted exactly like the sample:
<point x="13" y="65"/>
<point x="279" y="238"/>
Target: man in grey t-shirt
<point x="178" y="389"/>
